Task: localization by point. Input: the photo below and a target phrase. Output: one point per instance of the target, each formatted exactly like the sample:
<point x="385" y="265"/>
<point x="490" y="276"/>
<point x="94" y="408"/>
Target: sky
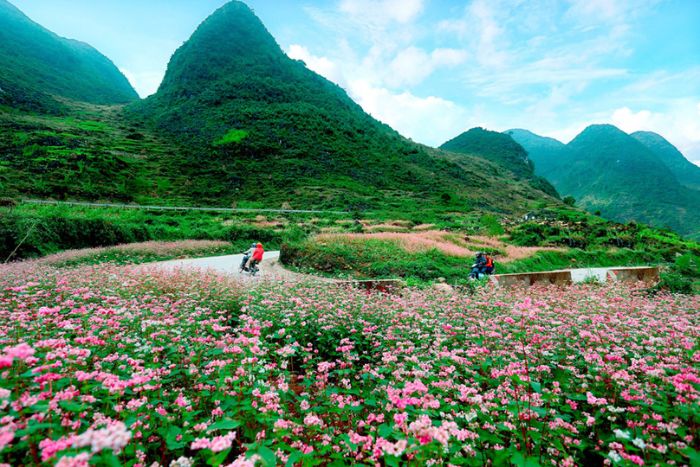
<point x="434" y="68"/>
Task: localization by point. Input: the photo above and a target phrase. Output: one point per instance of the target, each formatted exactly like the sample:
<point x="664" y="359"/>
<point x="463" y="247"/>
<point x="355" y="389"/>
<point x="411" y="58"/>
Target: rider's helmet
<point x="252" y="245"/>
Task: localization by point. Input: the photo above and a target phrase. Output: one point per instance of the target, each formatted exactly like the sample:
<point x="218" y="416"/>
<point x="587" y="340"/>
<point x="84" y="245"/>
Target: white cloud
<point x="449" y="57"/>
<point x="490" y="50"/>
<point x="413" y="65"/>
<point x="321" y="65"/>
<point x="384" y="11"/>
<point x="629" y="121"/>
<point x="145" y="82"/>
<point x="429" y="120"/>
<point x="678" y="124"/>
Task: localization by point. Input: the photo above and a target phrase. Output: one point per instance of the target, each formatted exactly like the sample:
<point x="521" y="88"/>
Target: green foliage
<point x="306" y="142"/>
<point x="373" y="259"/>
<point x="51" y="234"/>
<point x="497" y="147"/>
<point x="682" y="276"/>
<point x="688" y="265"/>
<point x="569" y="200"/>
<point x="686" y="172"/>
<point x="675" y="282"/>
<point x="233" y="136"/>
<point x="491" y="225"/>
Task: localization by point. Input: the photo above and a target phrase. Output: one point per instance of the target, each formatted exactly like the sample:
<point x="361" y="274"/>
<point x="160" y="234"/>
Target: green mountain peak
<point x="500" y="149"/>
<point x="230" y="39"/>
<point x="686" y="172"/>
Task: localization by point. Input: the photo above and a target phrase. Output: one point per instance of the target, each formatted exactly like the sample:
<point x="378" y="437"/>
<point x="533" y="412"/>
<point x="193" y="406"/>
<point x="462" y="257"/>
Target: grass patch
<point x="233" y="136"/>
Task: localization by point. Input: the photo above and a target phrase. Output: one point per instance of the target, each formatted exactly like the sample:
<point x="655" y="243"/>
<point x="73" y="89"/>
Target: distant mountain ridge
<point x="622" y="176"/>
<point x="501" y="149"/>
<point x="686" y="172"/>
<point x="36" y="64"/>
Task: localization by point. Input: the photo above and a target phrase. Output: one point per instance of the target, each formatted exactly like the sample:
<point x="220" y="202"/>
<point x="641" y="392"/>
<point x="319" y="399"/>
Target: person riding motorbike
<point x="483" y="265"/>
<point x="257" y="256"/>
<point x="478" y="266"/>
<point x="246" y="256"/>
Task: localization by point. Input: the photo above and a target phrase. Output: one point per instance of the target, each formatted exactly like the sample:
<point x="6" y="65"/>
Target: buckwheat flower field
<point x="107" y="365"/>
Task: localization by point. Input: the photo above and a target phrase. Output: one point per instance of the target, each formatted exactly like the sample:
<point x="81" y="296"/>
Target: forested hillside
<point x="37" y="67"/>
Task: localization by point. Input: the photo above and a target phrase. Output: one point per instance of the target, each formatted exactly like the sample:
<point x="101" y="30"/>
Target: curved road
<point x="229" y="265"/>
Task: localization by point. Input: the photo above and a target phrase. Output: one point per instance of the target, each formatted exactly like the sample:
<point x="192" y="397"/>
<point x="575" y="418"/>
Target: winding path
<point x="270" y="268"/>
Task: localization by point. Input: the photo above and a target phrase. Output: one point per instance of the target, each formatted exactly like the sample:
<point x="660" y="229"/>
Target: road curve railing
<point x="176" y="208"/>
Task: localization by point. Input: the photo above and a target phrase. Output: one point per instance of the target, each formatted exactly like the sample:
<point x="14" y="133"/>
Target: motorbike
<point x="476" y="274"/>
<point x="252" y="270"/>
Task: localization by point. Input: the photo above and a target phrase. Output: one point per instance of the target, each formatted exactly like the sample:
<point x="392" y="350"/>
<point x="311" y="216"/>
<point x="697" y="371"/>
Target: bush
<point x="688" y="265"/>
<point x="675" y="283"/>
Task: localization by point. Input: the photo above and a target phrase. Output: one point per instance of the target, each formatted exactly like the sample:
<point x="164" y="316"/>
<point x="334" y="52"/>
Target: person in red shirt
<point x="257" y="255"/>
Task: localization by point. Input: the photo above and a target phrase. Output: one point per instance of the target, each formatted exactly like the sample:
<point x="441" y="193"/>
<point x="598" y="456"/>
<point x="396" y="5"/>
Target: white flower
<point x="621" y="434"/>
<point x="615" y="457"/>
<point x="639" y="442"/>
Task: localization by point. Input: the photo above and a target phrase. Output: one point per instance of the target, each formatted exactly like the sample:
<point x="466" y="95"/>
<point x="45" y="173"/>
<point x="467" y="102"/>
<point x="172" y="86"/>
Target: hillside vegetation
<point x="622" y="177"/>
<point x="36" y="65"/>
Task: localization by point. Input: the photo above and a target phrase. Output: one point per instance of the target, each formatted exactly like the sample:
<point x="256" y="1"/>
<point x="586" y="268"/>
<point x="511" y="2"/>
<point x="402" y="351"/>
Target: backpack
<point x="489" y="262"/>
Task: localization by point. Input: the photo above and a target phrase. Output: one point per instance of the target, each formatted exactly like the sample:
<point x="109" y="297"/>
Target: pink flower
<point x="200" y="443"/>
<point x="21" y="351"/>
<point x="400" y="418"/>
<point x="311" y="420"/>
<point x="6" y="437"/>
<point x="81" y="460"/>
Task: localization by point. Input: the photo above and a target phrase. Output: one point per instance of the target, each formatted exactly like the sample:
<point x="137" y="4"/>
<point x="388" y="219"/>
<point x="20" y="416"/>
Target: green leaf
<point x="521" y="461"/>
<point x="225" y="425"/>
<point x="108" y="458"/>
<point x="385" y="430"/>
<point x="293" y="458"/>
<point x="72" y="406"/>
<point x="219" y="458"/>
<point x="268" y="456"/>
<point x="693" y="455"/>
<point x="32" y="428"/>
<point x="537" y="387"/>
<point x="171" y="438"/>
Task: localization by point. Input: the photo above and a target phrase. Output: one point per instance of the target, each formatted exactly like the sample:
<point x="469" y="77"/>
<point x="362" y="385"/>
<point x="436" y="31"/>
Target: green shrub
<point x="688" y="265"/>
<point x="675" y="283"/>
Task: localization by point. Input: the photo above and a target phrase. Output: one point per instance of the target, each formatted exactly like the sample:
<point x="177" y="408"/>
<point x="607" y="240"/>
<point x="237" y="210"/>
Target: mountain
<point x="256" y="125"/>
<point x="609" y="171"/>
<point x="500" y="149"/>
<point x="36" y="65"/>
<point x="547" y="154"/>
<point x="686" y="172"/>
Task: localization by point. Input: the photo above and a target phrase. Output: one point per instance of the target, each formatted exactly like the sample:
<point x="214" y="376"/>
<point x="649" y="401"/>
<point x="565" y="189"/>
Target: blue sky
<point x="434" y="68"/>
